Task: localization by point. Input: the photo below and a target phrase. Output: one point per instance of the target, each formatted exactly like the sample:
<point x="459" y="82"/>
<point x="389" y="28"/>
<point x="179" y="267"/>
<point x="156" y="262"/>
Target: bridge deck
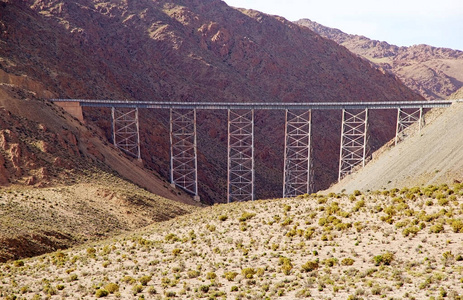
<point x="266" y="106"/>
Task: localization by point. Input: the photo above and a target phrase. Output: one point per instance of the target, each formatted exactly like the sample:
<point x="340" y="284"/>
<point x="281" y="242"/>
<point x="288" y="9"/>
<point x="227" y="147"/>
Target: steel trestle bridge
<point x="298" y="172"/>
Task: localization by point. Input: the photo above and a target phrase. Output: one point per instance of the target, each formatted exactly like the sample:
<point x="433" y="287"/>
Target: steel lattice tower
<point x="183" y="153"/>
<point x="240" y="155"/>
<point x="297" y="176"/>
<point x="354" y="138"/>
<point x="125" y="127"/>
<point x="405" y="119"/>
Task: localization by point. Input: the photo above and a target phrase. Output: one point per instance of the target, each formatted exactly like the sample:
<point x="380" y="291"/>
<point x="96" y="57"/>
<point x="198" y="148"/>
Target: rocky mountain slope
<point x="435" y="73"/>
<point x="193" y="50"/>
<point x="62" y="184"/>
<point x="383" y="245"/>
<point x="430" y="156"/>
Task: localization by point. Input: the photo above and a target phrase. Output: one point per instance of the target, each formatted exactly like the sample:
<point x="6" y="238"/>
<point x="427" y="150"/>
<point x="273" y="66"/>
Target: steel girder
<point x="125" y="130"/>
<point x="297" y="176"/>
<point x="354" y="140"/>
<point x="183" y="152"/>
<point x="405" y="119"/>
<point x="240" y="179"/>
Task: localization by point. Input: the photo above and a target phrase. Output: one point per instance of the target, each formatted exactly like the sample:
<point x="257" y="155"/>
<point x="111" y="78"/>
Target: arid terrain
<point x="435" y="73"/>
<point x="79" y="219"/>
<point x="194" y="50"/>
<point x="394" y="244"/>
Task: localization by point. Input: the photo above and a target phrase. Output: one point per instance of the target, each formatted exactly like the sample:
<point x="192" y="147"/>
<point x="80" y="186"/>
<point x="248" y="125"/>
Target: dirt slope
<point x="432" y="156"/>
<point x="390" y="245"/>
<point x="435" y="73"/>
<point x="193" y="50"/>
<point x="62" y="184"/>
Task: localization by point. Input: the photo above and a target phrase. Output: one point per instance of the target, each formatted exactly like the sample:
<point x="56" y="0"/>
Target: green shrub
<point x="144" y="280"/>
<point x="223" y="218"/>
<point x="211" y="275"/>
<point x="457" y="226"/>
<point x="101" y="293"/>
<point x="230" y="276"/>
<point x="18" y="263"/>
<point x="112" y="287"/>
<point x="413" y="230"/>
<point x="246" y="216"/>
<point x="234" y="288"/>
<point x="347" y="261"/>
<point x="138" y="288"/>
<point x="309" y="266"/>
<point x="248" y="272"/>
<point x="383" y="259"/>
<point x="437" y="228"/>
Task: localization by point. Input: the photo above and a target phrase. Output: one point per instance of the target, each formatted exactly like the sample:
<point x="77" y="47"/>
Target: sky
<point x="437" y="23"/>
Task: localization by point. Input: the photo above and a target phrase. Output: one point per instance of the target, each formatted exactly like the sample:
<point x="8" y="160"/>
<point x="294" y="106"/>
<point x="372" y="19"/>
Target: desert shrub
<point x="144" y="280"/>
<point x="287" y="208"/>
<point x="171" y="237"/>
<point x="211" y="228"/>
<point x="309" y="233"/>
<point x="176" y="251"/>
<point x="211" y="275"/>
<point x="413" y="230"/>
<point x="204" y="288"/>
<point x="359" y="204"/>
<point x="330" y="262"/>
<point x="101" y="293"/>
<point x="286" y="265"/>
<point x="457" y="226"/>
<point x="223" y="218"/>
<point x="234" y="288"/>
<point x="128" y="280"/>
<point x="138" y="288"/>
<point x="309" y="266"/>
<point x="248" y="272"/>
<point x="383" y="259"/>
<point x="246" y="216"/>
<point x="347" y="261"/>
<point x="230" y="276"/>
<point x="18" y="263"/>
<point x="437" y="228"/>
<point x="193" y="273"/>
<point x="112" y="287"/>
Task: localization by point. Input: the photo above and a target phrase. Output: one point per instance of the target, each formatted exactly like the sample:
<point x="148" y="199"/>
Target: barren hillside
<point x="62" y="184"/>
<point x="435" y="73"/>
<point x="384" y="245"/>
<point x="193" y="50"/>
<point x="432" y="156"/>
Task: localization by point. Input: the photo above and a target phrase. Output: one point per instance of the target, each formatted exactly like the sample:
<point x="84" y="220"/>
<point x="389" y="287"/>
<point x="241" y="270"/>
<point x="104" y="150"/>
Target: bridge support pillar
<point x="240" y="181"/>
<point x="354" y="139"/>
<point x="405" y="118"/>
<point x="183" y="151"/>
<point x="297" y="176"/>
<point x="125" y="130"/>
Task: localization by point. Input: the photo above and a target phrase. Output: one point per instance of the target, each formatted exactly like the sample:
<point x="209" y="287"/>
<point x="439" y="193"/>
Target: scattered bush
<point x="347" y="261"/>
<point x="309" y="266"/>
<point x="383" y="259"/>
<point x="101" y="293"/>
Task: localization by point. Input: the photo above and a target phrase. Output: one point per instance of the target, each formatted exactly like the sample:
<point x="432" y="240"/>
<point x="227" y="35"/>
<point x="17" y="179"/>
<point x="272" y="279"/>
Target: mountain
<point x="435" y="73"/>
<point x="194" y="50"/>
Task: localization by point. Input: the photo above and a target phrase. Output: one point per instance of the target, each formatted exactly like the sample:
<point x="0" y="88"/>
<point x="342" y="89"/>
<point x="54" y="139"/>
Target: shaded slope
<point x="194" y="51"/>
<point x="434" y="72"/>
<point x="432" y="156"/>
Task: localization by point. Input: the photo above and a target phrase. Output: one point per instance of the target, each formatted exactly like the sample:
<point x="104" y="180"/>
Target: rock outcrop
<point x="193" y="50"/>
<point x="434" y="72"/>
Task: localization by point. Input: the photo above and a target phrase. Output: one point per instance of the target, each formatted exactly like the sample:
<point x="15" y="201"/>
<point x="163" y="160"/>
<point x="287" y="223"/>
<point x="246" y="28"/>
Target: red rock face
<point x="435" y="73"/>
<point x="195" y="50"/>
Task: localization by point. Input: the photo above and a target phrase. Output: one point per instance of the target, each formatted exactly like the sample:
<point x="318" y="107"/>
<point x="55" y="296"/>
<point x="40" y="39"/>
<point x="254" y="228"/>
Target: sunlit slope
<point x="432" y="156"/>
